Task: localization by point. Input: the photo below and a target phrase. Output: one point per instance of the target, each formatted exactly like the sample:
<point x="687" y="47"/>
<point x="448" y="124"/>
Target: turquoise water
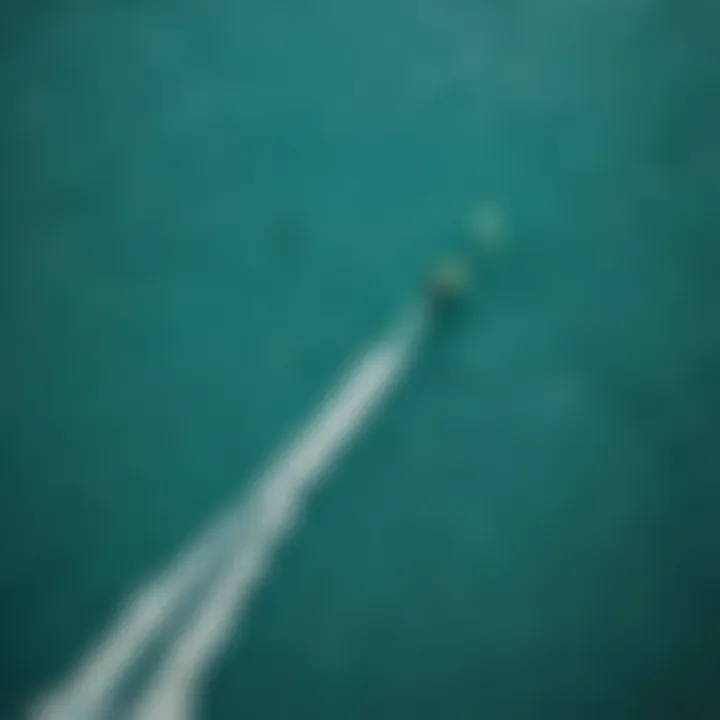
<point x="208" y="209"/>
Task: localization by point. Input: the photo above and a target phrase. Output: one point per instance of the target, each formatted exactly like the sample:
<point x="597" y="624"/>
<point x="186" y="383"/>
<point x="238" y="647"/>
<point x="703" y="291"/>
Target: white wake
<point x="250" y="531"/>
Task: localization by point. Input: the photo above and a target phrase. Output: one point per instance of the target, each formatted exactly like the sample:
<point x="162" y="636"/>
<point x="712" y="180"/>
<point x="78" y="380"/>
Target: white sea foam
<point x="250" y="532"/>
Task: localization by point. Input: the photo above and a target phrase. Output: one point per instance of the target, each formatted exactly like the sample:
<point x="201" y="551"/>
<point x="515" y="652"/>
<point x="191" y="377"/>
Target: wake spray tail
<point x="250" y="531"/>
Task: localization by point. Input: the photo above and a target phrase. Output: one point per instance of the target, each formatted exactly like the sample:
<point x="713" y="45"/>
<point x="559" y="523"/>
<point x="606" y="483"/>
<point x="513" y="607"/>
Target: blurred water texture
<point x="207" y="208"/>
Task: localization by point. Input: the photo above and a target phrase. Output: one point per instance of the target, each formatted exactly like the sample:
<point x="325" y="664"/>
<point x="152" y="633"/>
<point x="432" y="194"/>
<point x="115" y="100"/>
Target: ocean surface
<point x="209" y="208"/>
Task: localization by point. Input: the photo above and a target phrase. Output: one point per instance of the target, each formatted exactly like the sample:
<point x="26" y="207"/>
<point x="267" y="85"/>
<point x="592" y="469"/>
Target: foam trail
<point x="262" y="520"/>
<point x="89" y="691"/>
<point x="276" y="503"/>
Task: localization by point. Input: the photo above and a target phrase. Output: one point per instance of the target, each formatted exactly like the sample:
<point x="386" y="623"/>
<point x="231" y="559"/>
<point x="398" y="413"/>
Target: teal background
<point x="209" y="207"/>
